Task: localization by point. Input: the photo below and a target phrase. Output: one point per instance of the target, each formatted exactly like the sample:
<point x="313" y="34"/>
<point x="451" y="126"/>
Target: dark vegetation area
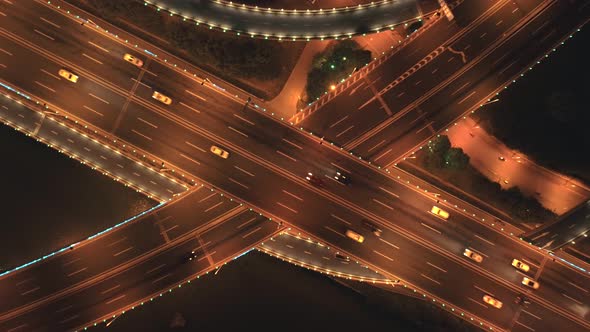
<point x="452" y="164"/>
<point x="545" y="115"/>
<point x="337" y="62"/>
<point x="258" y="66"/>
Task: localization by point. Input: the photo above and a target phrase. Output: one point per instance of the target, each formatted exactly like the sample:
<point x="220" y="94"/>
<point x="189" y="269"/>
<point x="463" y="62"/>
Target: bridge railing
<point x="321" y="11"/>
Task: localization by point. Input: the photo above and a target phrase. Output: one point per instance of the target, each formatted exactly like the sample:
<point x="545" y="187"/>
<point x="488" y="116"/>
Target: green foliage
<point x="333" y="65"/>
<point x="455" y="158"/>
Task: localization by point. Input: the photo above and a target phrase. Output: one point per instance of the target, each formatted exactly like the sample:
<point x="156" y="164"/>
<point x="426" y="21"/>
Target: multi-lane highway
<point x="449" y="71"/>
<point x="290" y="24"/>
<point x="266" y="167"/>
<point x="139" y="260"/>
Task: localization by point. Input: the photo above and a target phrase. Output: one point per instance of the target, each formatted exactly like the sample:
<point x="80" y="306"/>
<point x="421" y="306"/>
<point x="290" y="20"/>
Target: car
<point x="68" y="75"/>
<point x="314" y="180"/>
<point x="341" y="177"/>
<point x="492" y="301"/>
<point x="369" y="225"/>
<point x="501" y="158"/>
<point x="190" y="256"/>
<point x="439" y="212"/>
<point x="473" y="255"/>
<point x="162" y="98"/>
<point x="530" y="283"/>
<point x="355" y="236"/>
<point x="130" y="58"/>
<point x="341" y="257"/>
<point x="520" y="265"/>
<point x="219" y="151"/>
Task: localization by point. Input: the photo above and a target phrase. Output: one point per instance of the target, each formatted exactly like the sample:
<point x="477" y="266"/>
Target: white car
<point x="162" y="98"/>
<point x="439" y="212"/>
<point x="355" y="236"/>
<point x="492" y="301"/>
<point x="219" y="151"/>
<point x="131" y="59"/>
<point x="68" y="75"/>
<point x="520" y="265"/>
<point x="530" y="283"/>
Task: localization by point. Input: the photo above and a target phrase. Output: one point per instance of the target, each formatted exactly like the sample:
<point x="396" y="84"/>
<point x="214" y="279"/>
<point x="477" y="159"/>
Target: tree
<point x="439" y="146"/>
<point x="455" y="158"/>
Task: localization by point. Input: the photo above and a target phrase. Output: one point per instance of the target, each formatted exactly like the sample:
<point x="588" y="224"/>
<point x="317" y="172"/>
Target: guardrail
<point x="321" y="11"/>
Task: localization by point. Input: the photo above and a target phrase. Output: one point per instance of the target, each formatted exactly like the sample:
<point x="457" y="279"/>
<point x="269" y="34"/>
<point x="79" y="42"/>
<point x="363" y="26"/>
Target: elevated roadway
<point x="266" y="168"/>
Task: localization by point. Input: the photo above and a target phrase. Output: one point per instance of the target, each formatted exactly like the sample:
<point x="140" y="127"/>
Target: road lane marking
<point x="1" y="13"/>
<point x="284" y="155"/>
<point x="525" y="326"/>
<point x="207" y="256"/>
<point x="22" y="116"/>
<point x="389" y="243"/>
<point x="293" y="195"/>
<point x="54" y="132"/>
<point x="389" y="192"/>
<point x="48" y="21"/>
<point x="189" y="107"/>
<point x="110" y="289"/>
<point x="70" y="262"/>
<point x="337" y="122"/>
<point x="189" y="158"/>
<point x="91" y="58"/>
<point x="120" y="166"/>
<point x="147" y="122"/>
<point x="431" y="228"/>
<point x="464" y="99"/>
<point x="331" y="229"/>
<point x="154" y="183"/>
<point x="401" y="94"/>
<point x="14" y="329"/>
<point x="245" y="120"/>
<point x="118" y="241"/>
<point x="342" y="168"/>
<point x="336" y="217"/>
<point x="78" y="271"/>
<point x="30" y="291"/>
<point x="380" y="254"/>
<point x="161" y="278"/>
<point x="295" y="145"/>
<point x="2" y="65"/>
<point x="483" y="290"/>
<point x="381" y="203"/>
<point x="196" y="95"/>
<point x="376" y="145"/>
<point x="52" y="75"/>
<point x="478" y="302"/>
<point x="238" y="183"/>
<point x="68" y="319"/>
<point x="87" y="149"/>
<point x="194" y="146"/>
<point x="147" y="86"/>
<point x="155" y="268"/>
<point x="383" y="154"/>
<point x="537" y="317"/>
<point x="45" y="86"/>
<point x="243" y="170"/>
<point x="429" y="278"/>
<point x="5" y="51"/>
<point x="344" y="131"/>
<point x="506" y="68"/>
<point x="307" y="252"/>
<point x="122" y="296"/>
<point x="530" y="263"/>
<point x="578" y="287"/>
<point x="105" y="158"/>
<point x="206" y="198"/>
<point x="426" y="126"/>
<point x="485" y="240"/>
<point x="462" y="86"/>
<point x="64" y="308"/>
<point x="140" y="134"/>
<point x="104" y="101"/>
<point x="483" y="35"/>
<point x="246" y="223"/>
<point x="100" y="47"/>
<point x="434" y="71"/>
<point x="246" y="235"/>
<point x="571" y="298"/>
<point x="42" y="34"/>
<point x="25" y="281"/>
<point x="92" y="110"/>
<point x="286" y="207"/>
<point x="499" y="22"/>
<point x="436" y="267"/>
<point x="213" y="207"/>
<point x="122" y="251"/>
<point x="417" y="83"/>
<point x="69" y="140"/>
<point x="237" y="131"/>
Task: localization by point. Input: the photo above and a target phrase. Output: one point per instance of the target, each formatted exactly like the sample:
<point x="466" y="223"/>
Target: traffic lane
<point x="443" y="111"/>
<point x="85" y="99"/>
<point x="246" y="229"/>
<point x="534" y="317"/>
<point x="124" y="245"/>
<point x="17" y="113"/>
<point x="96" y="154"/>
<point x="159" y="273"/>
<point x="72" y="42"/>
<point x="566" y="288"/>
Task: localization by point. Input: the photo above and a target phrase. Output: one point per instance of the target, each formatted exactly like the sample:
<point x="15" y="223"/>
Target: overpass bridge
<point x="273" y="158"/>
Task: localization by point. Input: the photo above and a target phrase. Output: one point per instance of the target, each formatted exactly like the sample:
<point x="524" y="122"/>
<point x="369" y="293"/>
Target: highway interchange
<point x="266" y="168"/>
